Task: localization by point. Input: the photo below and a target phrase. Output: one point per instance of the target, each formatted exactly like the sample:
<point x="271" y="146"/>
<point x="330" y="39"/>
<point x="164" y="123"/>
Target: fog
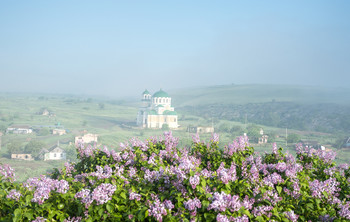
<point x="119" y="48"/>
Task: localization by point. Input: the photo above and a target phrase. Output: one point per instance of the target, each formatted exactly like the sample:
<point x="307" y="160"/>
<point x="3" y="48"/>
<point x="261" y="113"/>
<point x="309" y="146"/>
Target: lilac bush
<point x="156" y="180"/>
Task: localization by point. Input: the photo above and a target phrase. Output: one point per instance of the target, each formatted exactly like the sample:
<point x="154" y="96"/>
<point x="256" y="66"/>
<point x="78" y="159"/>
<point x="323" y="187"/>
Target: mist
<point x="118" y="49"/>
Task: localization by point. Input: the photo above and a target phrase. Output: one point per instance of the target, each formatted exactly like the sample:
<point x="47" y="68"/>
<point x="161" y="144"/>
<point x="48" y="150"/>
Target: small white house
<point x="56" y="153"/>
<point x="19" y="129"/>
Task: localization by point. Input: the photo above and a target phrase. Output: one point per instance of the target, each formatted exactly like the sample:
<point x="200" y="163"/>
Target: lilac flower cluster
<point x="325" y="156"/>
<point x="237" y="145"/>
<point x="291" y="216"/>
<point x="7" y="173"/>
<point x="101" y="194"/>
<point x="273" y="179"/>
<point x="134" y="196"/>
<point x="102" y="173"/>
<point x="39" y="219"/>
<point x="222" y="201"/>
<point x="262" y="210"/>
<point x="157" y="209"/>
<point x="345" y="210"/>
<point x="226" y="175"/>
<point x="73" y="219"/>
<point x="43" y="187"/>
<point x="193" y="204"/>
<point x="195" y="138"/>
<point x="14" y="194"/>
<point x="194" y="181"/>
<point x="329" y="186"/>
<point x="86" y="151"/>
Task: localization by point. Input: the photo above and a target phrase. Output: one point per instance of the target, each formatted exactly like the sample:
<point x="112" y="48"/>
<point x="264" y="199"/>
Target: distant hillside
<point x="296" y="107"/>
<point x="244" y="94"/>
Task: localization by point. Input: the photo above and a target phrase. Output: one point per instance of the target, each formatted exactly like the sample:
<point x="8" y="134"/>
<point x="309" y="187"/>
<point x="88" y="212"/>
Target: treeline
<point x="328" y="118"/>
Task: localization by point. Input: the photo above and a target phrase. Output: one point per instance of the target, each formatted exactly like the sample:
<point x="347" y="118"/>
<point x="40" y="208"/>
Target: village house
<point x="19" y="129"/>
<point x="22" y="156"/>
<point x="200" y="129"/>
<point x="156" y="111"/>
<point x="55" y="153"/>
<point x="87" y="138"/>
<point x="263" y="138"/>
<point x="59" y="132"/>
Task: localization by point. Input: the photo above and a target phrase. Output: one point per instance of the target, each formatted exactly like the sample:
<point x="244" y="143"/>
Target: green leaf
<point x="279" y="189"/>
<point x="110" y="208"/>
<point x="122" y="194"/>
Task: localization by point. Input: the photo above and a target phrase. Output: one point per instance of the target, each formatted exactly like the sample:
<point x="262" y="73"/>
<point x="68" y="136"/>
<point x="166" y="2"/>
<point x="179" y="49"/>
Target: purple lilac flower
<point x="274" y="149"/>
<point x="7" y="172"/>
<point x="326" y="218"/>
<point x="157" y="209"/>
<point x="85" y="197"/>
<point x="103" y="193"/>
<point x="193" y="204"/>
<point x="329" y="186"/>
<point x="292" y="216"/>
<point x="248" y="203"/>
<point x="44" y="186"/>
<point x="222" y="201"/>
<point x="226" y="175"/>
<point x="214" y="138"/>
<point x="73" y="219"/>
<point x="196" y="138"/>
<point x="69" y="168"/>
<point x="273" y="179"/>
<point x="168" y="204"/>
<point x="243" y="218"/>
<point x="134" y="196"/>
<point x="344" y="210"/>
<point x="14" y="194"/>
<point x="222" y="218"/>
<point x="194" y="181"/>
<point x="262" y="210"/>
<point x="102" y="173"/>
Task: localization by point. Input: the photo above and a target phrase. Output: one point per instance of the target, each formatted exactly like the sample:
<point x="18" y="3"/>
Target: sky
<point x="120" y="48"/>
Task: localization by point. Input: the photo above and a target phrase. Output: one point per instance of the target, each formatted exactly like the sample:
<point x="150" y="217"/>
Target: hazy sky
<point x="119" y="48"/>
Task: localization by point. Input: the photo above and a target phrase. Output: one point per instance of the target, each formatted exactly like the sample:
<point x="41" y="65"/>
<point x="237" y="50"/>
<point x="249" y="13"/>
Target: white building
<point x="55" y="153"/>
<point x="19" y="129"/>
<point x="87" y="138"/>
<point x="156" y="111"/>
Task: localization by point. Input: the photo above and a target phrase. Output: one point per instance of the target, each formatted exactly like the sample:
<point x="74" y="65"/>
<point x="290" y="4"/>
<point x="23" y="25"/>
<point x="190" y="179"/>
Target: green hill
<point x="244" y="94"/>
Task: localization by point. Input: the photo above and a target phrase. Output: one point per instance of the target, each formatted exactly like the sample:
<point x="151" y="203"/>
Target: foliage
<point x="165" y="127"/>
<point x="14" y="147"/>
<point x="34" y="147"/>
<point x="157" y="181"/>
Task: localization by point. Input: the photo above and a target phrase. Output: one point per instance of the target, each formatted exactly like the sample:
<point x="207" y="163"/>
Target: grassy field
<point x="114" y="121"/>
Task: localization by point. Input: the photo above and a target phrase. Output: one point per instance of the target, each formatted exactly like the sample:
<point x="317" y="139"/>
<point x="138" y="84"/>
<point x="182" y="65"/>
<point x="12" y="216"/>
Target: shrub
<point x="157" y="181"/>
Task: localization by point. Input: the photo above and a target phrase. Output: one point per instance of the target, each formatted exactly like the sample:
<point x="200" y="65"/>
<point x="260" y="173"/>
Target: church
<point x="156" y="111"/>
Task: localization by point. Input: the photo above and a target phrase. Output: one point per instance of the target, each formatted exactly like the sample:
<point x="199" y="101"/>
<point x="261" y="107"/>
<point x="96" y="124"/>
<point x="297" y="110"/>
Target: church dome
<point x="145" y="92"/>
<point x="160" y="93"/>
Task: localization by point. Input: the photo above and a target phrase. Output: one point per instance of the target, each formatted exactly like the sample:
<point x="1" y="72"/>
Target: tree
<point x="165" y="127"/>
<point x="34" y="147"/>
<point x="293" y="138"/>
<point x="253" y="133"/>
<point x="43" y="132"/>
<point x="14" y="147"/>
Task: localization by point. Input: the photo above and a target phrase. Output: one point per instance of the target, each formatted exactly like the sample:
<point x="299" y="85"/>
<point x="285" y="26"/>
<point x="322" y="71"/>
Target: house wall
<point x="55" y="156"/>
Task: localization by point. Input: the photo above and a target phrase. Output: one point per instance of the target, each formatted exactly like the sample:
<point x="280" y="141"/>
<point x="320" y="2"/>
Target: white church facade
<point x="156" y="111"/>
